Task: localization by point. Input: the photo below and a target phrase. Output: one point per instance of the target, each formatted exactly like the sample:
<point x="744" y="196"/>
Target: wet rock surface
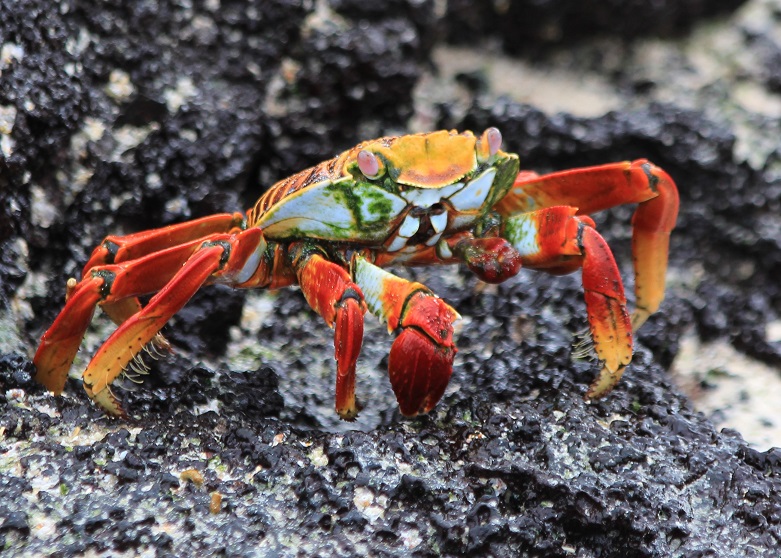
<point x="115" y="119"/>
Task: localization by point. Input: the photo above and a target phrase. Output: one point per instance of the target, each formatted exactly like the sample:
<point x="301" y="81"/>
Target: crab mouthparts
<point x="429" y="216"/>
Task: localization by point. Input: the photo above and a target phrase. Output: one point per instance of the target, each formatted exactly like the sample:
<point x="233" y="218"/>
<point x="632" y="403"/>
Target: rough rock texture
<point x="125" y="116"/>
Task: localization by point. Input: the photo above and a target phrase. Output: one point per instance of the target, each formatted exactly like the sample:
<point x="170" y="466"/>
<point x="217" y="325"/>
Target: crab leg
<point x="111" y="286"/>
<point x="175" y="273"/>
<point x="651" y="226"/>
<point x="593" y="189"/>
<point x="330" y="291"/>
<point x="138" y="330"/>
<point x="117" y="249"/>
<point x="555" y="240"/>
<point x="421" y="358"/>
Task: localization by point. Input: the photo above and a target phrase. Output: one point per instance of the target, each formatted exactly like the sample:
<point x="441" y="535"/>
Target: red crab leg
<point x="117" y="249"/>
<point x="592" y="189"/>
<point x="221" y="257"/>
<point x="557" y="241"/>
<point x="111" y="286"/>
<point x="651" y="226"/>
<point x="176" y="273"/>
<point x="330" y="291"/>
<point x="421" y="358"/>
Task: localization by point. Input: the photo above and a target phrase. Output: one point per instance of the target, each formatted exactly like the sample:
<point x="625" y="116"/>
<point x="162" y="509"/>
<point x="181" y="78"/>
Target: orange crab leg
<point x="117" y="249"/>
<point x="421" y="358"/>
<point x="176" y="273"/>
<point x="223" y="257"/>
<point x="61" y="341"/>
<point x="592" y="189"/>
<point x="135" y="332"/>
<point x="556" y="240"/>
<point x="111" y="286"/>
<point x="330" y="291"/>
<point x="652" y="224"/>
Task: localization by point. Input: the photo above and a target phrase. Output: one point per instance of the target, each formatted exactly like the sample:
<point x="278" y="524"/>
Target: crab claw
<point x="419" y="371"/>
<point x="421" y="358"/>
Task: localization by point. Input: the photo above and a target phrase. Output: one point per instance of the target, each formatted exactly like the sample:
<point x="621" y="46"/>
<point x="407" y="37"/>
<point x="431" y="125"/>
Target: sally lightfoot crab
<point x="424" y="199"/>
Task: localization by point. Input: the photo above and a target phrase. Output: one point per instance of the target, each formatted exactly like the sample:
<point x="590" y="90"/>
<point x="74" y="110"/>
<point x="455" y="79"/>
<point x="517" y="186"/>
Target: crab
<point x="424" y="199"/>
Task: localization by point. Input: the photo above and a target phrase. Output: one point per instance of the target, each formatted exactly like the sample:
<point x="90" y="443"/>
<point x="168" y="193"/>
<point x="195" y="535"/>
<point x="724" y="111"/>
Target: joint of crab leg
<point x="609" y="322"/>
<point x="545" y="238"/>
<point x="651" y="226"/>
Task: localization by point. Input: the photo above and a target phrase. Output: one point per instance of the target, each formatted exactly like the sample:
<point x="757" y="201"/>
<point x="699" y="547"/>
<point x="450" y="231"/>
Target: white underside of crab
<point x="331" y="210"/>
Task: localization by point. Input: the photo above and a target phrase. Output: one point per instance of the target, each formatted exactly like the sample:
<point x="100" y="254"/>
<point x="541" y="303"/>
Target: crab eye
<point x="369" y="164"/>
<point x="494" y="137"/>
<point x="488" y="144"/>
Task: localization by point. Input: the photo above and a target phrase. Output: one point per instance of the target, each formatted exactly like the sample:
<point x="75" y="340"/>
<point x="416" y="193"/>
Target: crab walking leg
<point x="61" y="341"/>
<point x="421" y="358"/>
<point x="118" y="249"/>
<point x="555" y="240"/>
<point x="330" y="291"/>
<point x="174" y="256"/>
<point x="652" y="224"/>
<point x="174" y="273"/>
<point x="114" y="287"/>
<point x="593" y="189"/>
<point x="134" y="333"/>
<point x="231" y="259"/>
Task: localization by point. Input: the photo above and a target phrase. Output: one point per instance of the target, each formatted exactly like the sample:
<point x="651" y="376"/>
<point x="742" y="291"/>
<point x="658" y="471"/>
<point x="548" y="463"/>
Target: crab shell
<point x="425" y="186"/>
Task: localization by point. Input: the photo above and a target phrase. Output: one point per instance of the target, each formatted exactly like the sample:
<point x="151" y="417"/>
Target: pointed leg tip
<point x="604" y="383"/>
<point x="53" y="378"/>
<point x="639" y="317"/>
<point x="350" y="412"/>
<point x="108" y="402"/>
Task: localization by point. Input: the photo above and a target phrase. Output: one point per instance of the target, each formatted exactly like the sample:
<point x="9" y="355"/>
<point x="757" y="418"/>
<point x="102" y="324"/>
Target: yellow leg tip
<point x="605" y="382"/>
<point x="639" y="317"/>
<point x="106" y="401"/>
<point x="350" y="411"/>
